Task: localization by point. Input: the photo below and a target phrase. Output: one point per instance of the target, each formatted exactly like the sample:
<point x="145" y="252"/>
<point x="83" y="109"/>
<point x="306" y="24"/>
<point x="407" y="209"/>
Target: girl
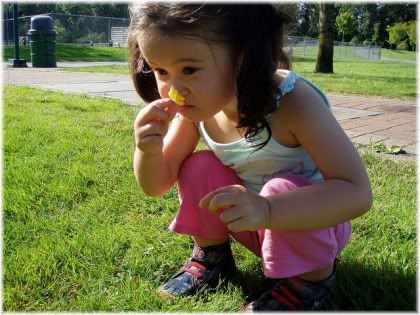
<point x="281" y="177"/>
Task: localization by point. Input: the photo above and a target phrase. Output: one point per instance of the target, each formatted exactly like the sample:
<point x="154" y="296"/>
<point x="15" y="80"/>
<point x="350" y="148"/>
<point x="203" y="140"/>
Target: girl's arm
<point x="346" y="192"/>
<point x="156" y="171"/>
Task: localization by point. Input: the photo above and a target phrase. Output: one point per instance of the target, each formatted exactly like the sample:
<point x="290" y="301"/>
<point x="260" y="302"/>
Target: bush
<point x="403" y="45"/>
<point x="367" y="42"/>
<point x="355" y="40"/>
<point x="403" y="35"/>
<point x="94" y="37"/>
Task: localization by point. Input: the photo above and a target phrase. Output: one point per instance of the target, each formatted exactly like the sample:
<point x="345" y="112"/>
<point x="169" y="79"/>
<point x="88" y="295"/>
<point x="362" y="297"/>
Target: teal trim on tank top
<point x="256" y="167"/>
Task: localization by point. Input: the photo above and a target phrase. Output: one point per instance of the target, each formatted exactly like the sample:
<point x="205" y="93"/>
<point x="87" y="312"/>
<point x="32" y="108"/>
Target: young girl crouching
<point x="280" y="176"/>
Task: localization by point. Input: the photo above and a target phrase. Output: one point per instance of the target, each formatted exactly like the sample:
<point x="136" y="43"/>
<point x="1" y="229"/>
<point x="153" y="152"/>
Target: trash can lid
<point x="42" y="23"/>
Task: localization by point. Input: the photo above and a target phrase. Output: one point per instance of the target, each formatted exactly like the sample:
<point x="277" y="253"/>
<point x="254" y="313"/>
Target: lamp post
<point x="17" y="62"/>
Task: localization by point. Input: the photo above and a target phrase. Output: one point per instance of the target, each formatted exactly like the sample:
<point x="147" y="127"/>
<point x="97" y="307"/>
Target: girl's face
<point x="203" y="73"/>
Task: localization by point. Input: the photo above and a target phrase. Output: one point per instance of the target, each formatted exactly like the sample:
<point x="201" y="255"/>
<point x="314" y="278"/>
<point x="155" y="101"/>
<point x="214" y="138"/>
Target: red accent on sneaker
<point x="193" y="272"/>
<point x="196" y="273"/>
<point x="291" y="295"/>
<point x="283" y="300"/>
<point x="198" y="265"/>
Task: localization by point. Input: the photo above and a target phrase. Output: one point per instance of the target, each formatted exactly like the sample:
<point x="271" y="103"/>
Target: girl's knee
<point x="280" y="185"/>
<point x="204" y="165"/>
<point x="199" y="162"/>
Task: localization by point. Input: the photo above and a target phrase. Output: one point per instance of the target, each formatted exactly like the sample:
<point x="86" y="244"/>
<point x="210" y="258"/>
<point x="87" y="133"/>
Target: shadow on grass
<point x="358" y="288"/>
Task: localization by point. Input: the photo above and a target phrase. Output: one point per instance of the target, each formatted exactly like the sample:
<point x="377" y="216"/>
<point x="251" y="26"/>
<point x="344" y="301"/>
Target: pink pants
<point x="284" y="253"/>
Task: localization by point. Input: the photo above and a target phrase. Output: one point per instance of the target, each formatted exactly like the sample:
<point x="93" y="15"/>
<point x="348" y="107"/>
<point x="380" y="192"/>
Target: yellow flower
<point x="176" y="97"/>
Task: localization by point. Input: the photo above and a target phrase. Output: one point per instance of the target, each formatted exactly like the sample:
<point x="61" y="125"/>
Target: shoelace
<point x="195" y="273"/>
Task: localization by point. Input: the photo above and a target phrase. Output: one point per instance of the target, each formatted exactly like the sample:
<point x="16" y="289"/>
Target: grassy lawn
<point x="73" y="53"/>
<point x="399" y="54"/>
<point x="80" y="236"/>
<point x="112" y="69"/>
<point x="348" y="52"/>
<point x="363" y="77"/>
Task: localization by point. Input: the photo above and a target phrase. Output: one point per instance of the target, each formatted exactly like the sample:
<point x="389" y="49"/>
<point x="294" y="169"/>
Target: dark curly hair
<point x="254" y="31"/>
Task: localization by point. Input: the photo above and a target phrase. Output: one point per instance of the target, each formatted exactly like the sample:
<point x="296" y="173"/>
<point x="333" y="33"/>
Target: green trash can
<point x="42" y="42"/>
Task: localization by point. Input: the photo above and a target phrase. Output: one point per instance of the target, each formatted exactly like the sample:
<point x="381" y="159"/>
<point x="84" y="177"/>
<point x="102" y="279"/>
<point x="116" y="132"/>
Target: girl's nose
<point x="182" y="90"/>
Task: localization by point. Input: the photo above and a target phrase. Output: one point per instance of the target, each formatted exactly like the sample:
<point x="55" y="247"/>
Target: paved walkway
<point x="365" y="119"/>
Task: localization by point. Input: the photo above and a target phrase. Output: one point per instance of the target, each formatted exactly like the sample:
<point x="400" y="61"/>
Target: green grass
<point x="73" y="53"/>
<point x="399" y="54"/>
<point x="80" y="236"/>
<point x="108" y="69"/>
<point x="363" y="77"/>
<point x="341" y="52"/>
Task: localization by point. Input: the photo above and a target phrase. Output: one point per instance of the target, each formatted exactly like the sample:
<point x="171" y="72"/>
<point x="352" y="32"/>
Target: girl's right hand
<point x="152" y="123"/>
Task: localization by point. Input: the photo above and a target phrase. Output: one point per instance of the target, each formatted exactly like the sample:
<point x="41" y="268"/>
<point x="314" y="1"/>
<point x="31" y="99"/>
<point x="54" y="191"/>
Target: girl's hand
<point x="152" y="123"/>
<point x="243" y="210"/>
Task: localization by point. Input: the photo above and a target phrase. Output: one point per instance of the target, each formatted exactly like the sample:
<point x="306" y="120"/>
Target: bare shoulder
<point x="301" y="104"/>
<point x="303" y="100"/>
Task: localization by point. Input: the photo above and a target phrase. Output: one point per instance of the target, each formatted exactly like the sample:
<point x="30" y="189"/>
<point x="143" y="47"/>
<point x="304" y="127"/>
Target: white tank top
<point x="256" y="168"/>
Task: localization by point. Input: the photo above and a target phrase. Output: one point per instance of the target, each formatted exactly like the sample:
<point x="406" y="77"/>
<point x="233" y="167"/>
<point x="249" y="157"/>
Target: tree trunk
<point x="324" y="63"/>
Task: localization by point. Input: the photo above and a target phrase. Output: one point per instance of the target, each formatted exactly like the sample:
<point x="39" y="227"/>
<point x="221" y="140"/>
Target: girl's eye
<point x="160" y="71"/>
<point x="189" y="70"/>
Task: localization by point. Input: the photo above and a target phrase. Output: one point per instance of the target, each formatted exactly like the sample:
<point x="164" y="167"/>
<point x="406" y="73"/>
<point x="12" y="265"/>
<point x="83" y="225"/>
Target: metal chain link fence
<point x="96" y="30"/>
<point x="305" y="46"/>
<point x="74" y="29"/>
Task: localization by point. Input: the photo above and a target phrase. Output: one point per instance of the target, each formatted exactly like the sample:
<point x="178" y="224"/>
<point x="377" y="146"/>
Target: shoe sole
<point x="165" y="295"/>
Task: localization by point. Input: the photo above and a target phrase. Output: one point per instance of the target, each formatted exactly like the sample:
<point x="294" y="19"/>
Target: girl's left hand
<point x="243" y="210"/>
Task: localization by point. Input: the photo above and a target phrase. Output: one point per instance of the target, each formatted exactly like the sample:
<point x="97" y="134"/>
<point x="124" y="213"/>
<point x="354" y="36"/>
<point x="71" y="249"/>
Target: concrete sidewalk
<point x="365" y="119"/>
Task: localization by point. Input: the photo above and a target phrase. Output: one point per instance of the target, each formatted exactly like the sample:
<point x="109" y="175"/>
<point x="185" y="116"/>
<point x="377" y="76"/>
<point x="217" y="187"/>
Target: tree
<point x="376" y="34"/>
<point x="307" y="18"/>
<point x="119" y="10"/>
<point x="367" y="19"/>
<point x="411" y="32"/>
<point x="324" y="62"/>
<point x="389" y="14"/>
<point x="346" y="23"/>
<point x="397" y="34"/>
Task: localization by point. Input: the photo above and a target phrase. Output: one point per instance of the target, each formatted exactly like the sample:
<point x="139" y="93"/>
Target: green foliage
<point x="402" y="35"/>
<point x="355" y="40"/>
<point x="96" y="9"/>
<point x="376" y="33"/>
<point x="94" y="37"/>
<point x="346" y="23"/>
<point x="411" y="32"/>
<point x="61" y="31"/>
<point x="403" y="45"/>
<point x="382" y="148"/>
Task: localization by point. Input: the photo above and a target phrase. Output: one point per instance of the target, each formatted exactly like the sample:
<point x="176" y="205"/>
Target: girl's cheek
<point x="162" y="88"/>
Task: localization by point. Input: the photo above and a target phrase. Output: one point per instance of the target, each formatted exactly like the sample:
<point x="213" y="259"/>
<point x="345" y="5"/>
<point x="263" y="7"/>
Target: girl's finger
<point x="222" y="200"/>
<point x="151" y="114"/>
<point x="205" y="201"/>
<point x="171" y="109"/>
<point x="168" y="107"/>
<point x="229" y="215"/>
<point x="162" y="111"/>
<point x="237" y="226"/>
<point x="152" y="128"/>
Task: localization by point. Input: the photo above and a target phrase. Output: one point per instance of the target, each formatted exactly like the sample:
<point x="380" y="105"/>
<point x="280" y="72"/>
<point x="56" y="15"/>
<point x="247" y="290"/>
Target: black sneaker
<point x="294" y="294"/>
<point x="205" y="269"/>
